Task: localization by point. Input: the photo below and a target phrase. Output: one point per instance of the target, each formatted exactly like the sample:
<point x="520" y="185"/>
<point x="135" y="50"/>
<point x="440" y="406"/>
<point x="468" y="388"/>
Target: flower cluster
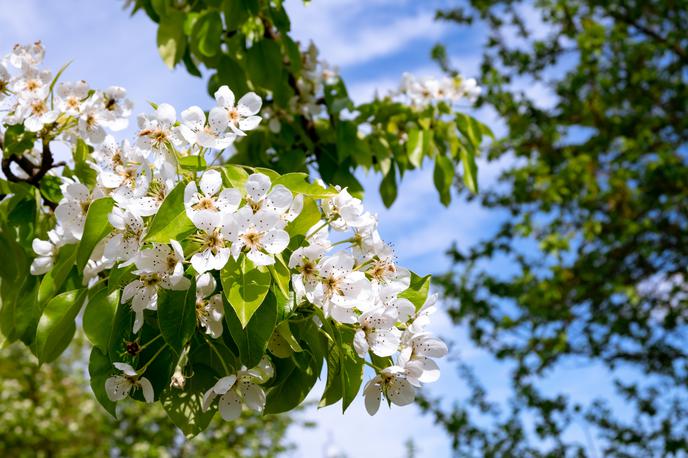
<point x="357" y="282"/>
<point x="422" y="92"/>
<point x="170" y="226"/>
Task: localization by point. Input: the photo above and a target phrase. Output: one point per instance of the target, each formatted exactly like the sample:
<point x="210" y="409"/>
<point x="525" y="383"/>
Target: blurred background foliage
<point x="49" y="411"/>
<point x="593" y="254"/>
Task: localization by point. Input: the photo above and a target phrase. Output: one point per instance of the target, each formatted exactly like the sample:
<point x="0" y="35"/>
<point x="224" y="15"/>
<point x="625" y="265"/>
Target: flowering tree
<point x="204" y="285"/>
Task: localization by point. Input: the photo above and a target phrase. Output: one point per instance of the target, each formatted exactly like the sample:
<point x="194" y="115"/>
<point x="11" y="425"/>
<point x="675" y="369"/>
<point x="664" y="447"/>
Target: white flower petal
<point x="117" y="388"/>
<point x="249" y="104"/>
<point x="147" y="389"/>
<point x="230" y="406"/>
<point x="224" y="97"/>
<point x="211" y="182"/>
<point x="257" y="185"/>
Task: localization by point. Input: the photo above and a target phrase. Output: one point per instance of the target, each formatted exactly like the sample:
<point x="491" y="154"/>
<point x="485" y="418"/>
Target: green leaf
<point x="207" y="33"/>
<point x="195" y="163"/>
<point x="264" y="64"/>
<point x="177" y="316"/>
<point x="50" y="188"/>
<point x="17" y="141"/>
<point x="99" y="369"/>
<point x="414" y="147"/>
<point x="310" y="216"/>
<point x="99" y="316"/>
<point x="96" y="227"/>
<point x="232" y="74"/>
<point x="470" y="169"/>
<point x="388" y="188"/>
<point x="281" y="275"/>
<point x="252" y="339"/>
<point x="443" y="177"/>
<point x="296" y="376"/>
<point x="170" y="222"/>
<point x="284" y="331"/>
<point x="245" y="287"/>
<point x="56" y="327"/>
<point x="185" y="407"/>
<point x="418" y="289"/>
<point x="298" y="184"/>
<point x="54" y="279"/>
<point x="344" y="367"/>
<point x="234" y="176"/>
<point x="171" y="39"/>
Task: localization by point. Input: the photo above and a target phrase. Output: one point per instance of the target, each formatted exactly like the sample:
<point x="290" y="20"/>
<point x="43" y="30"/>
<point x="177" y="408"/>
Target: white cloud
<point x="348" y="34"/>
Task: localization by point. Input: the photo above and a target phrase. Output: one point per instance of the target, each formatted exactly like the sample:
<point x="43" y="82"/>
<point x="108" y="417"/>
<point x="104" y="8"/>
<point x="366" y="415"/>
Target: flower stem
<point x="150" y="361"/>
<point x="144" y="346"/>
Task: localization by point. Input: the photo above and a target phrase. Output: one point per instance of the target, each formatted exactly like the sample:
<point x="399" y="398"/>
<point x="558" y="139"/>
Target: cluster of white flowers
<point x="72" y="110"/>
<point x="354" y="280"/>
<point x="360" y="285"/>
<point x="308" y="101"/>
<point x="422" y="92"/>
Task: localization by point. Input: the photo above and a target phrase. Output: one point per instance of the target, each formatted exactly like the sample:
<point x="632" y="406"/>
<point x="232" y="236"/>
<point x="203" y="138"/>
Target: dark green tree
<point x="589" y="265"/>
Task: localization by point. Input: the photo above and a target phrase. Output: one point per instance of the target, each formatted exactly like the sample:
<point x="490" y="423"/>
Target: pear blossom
<point x="72" y="97"/>
<point x="345" y="211"/>
<point x="27" y="55"/>
<point x="33" y="84"/>
<point x="239" y="117"/>
<point x="157" y="131"/>
<point x="214" y="135"/>
<point x="116" y="108"/>
<point x="46" y="251"/>
<point x="71" y="211"/>
<point x="377" y="333"/>
<point x="118" y="387"/>
<point x="36" y="113"/>
<point x="418" y="351"/>
<point x="261" y="233"/>
<point x="392" y="382"/>
<point x="240" y="388"/>
<point x="125" y="240"/>
<point x="205" y="208"/>
<point x="341" y="289"/>
<point x="209" y="306"/>
<point x="213" y="253"/>
<point x="278" y="200"/>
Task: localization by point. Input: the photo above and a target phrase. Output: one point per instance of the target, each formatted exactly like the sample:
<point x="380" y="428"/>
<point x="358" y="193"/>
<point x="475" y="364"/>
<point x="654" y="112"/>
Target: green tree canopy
<point x="590" y="263"/>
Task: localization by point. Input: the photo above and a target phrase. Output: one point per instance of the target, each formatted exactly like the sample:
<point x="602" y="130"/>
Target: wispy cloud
<point x="352" y="33"/>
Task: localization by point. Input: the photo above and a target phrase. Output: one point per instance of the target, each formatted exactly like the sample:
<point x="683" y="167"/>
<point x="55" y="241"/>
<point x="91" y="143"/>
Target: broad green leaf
<point x="296" y="376"/>
<point x="264" y="64"/>
<point x="443" y="176"/>
<point x="298" y="184"/>
<point x="414" y="147"/>
<point x="56" y="327"/>
<point x="185" y="407"/>
<point x="207" y="33"/>
<point x="281" y="275"/>
<point x="193" y="163"/>
<point x="285" y="332"/>
<point x="177" y="316"/>
<point x="234" y="176"/>
<point x="96" y="227"/>
<point x="17" y="141"/>
<point x="171" y="39"/>
<point x="50" y="188"/>
<point x="98" y="317"/>
<point x="231" y="73"/>
<point x="244" y="286"/>
<point x="418" y="289"/>
<point x="99" y="369"/>
<point x="344" y="367"/>
<point x="388" y="188"/>
<point x="309" y="217"/>
<point x="252" y="339"/>
<point x="170" y="222"/>
<point x="470" y="169"/>
<point x="214" y="354"/>
<point x="278" y="346"/>
<point x="54" y="279"/>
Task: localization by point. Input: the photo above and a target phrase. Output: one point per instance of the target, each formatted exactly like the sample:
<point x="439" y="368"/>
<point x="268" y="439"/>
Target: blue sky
<point x="373" y="42"/>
